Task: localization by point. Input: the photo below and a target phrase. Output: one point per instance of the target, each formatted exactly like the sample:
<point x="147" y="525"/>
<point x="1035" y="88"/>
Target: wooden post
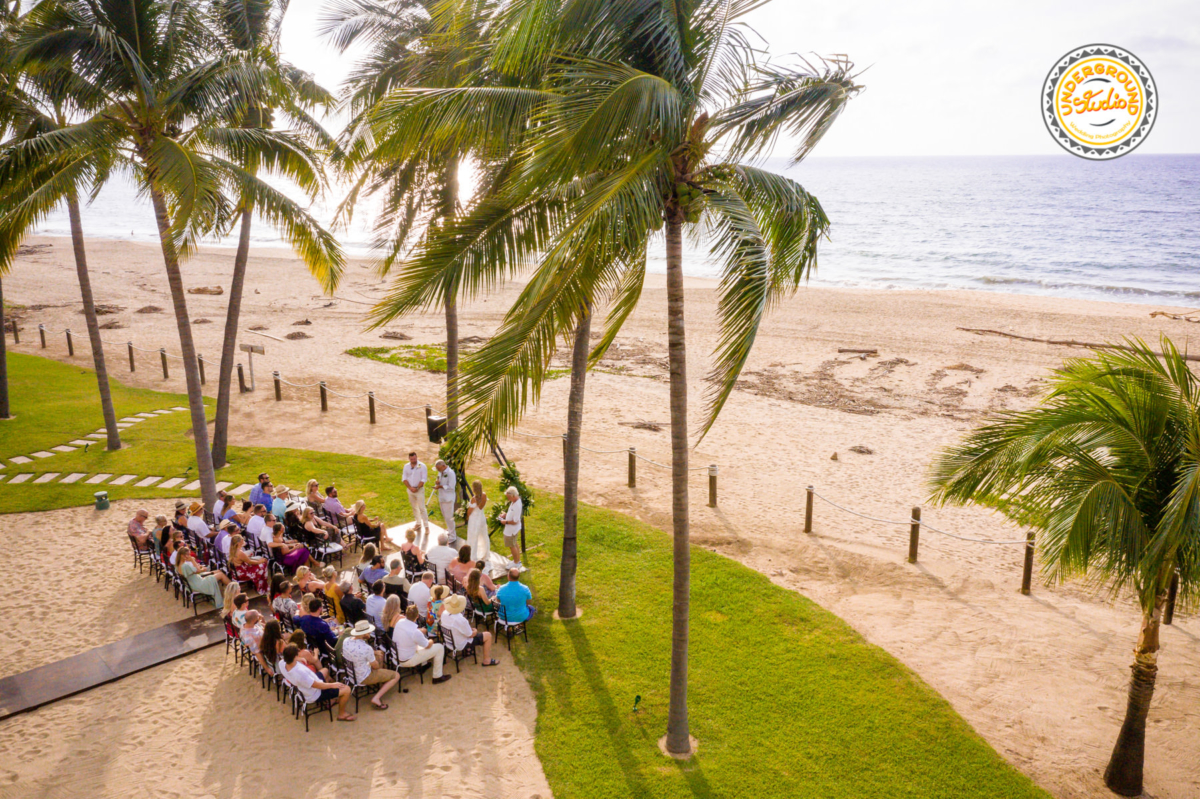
<point x="371" y="406"/>
<point x="324" y="397"/>
<point x="808" y="503"/>
<point x="1027" y="572"/>
<point x="163" y="353"/>
<point x="278" y="387"/>
<point x="16" y="332"/>
<point x="131" y="366"/>
<point x="633" y="467"/>
<point x="428" y="413"/>
<point x="1169" y="612"/>
<point x="712" y="485"/>
<point x="70" y="343"/>
<point x="242" y="387"/>
<point x="42" y="333"/>
<point x="200" y="364"/>
<point x="914" y="535"/>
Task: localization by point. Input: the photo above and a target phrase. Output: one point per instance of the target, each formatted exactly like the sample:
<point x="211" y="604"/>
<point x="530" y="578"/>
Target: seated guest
<point x="312" y="689"/>
<point x="260" y="495"/>
<point x="179" y="521"/>
<point x="333" y="505"/>
<point x="307" y="583"/>
<point x="288" y="553"/>
<point x="369" y="663"/>
<point x="410" y="550"/>
<point x="196" y="522"/>
<point x="375" y="603"/>
<point x="393" y="611"/>
<point x="210" y="583"/>
<point x="279" y="503"/>
<point x="221" y="539"/>
<point x="171" y="550"/>
<point x="414" y="649"/>
<point x="516" y="598"/>
<point x="242" y="518"/>
<point x="375" y="571"/>
<point x="283" y="603"/>
<point x="160" y="534"/>
<point x="272" y="642"/>
<point x="420" y="593"/>
<point x="334" y="592"/>
<point x="229" y="604"/>
<point x="241" y="606"/>
<point x="247" y="567"/>
<point x="317" y="629"/>
<point x="461" y="566"/>
<point x="317" y="528"/>
<point x="369" y="528"/>
<point x="460" y="629"/>
<point x="477" y="592"/>
<point x="312" y="494"/>
<point x="137" y="530"/>
<point x="220" y="504"/>
<point x="353" y="608"/>
<point x="395" y="582"/>
<point x="252" y="637"/>
<point x="256" y="526"/>
<point x="441" y="556"/>
<point x="368" y="555"/>
<point x="307" y="656"/>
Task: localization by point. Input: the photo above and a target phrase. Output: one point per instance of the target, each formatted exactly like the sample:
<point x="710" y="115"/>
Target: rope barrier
<point x="399" y="408"/>
<point x="299" y="385"/>
<point x="531" y="435"/>
<point x="861" y="515"/>
<point x="602" y="451"/>
<point x="928" y="526"/>
<point x="924" y="524"/>
<point x="346" y="396"/>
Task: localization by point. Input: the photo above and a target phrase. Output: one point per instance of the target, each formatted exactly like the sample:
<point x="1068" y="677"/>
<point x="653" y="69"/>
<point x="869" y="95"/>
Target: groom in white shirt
<point x="415" y="476"/>
<point x="445" y="484"/>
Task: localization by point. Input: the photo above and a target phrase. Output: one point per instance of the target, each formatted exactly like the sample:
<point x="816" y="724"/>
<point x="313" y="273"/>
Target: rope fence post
<point x="278" y="387"/>
<point x="200" y="364"/>
<point x="712" y="485"/>
<point x="914" y="534"/>
<point x="371" y="405"/>
<point x="1027" y="571"/>
<point x="324" y="397"/>
<point x="633" y="467"/>
<point x="42" y="333"/>
<point x="808" y="503"/>
<point x="163" y="353"/>
<point x="70" y="343"/>
<point x="16" y="332"/>
<point x="428" y="413"/>
<point x="1169" y="613"/>
<point x="129" y="344"/>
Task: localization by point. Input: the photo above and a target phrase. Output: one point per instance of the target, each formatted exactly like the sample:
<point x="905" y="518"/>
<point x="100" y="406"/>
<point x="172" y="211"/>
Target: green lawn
<point x="422" y="357"/>
<point x="786" y="700"/>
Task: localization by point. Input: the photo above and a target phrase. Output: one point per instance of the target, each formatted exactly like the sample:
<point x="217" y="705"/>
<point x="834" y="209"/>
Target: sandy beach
<point x="1043" y="678"/>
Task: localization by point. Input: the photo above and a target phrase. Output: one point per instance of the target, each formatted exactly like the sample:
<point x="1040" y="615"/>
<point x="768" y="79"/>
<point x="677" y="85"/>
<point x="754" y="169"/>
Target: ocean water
<point x="1125" y="230"/>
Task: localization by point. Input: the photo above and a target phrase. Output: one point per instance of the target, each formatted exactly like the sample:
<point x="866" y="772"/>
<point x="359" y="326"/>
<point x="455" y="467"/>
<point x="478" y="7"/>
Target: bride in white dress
<point x="477" y="529"/>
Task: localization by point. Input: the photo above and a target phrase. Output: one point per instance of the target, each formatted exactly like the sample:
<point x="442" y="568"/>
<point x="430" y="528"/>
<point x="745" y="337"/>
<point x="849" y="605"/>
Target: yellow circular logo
<point x="1099" y="101"/>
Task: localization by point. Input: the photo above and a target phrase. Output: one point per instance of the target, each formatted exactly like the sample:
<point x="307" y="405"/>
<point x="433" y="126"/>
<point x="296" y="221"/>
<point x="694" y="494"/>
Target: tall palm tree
<point x="251" y="27"/>
<point x="40" y="102"/>
<point x="1106" y="469"/>
<point x="636" y="95"/>
<point x="168" y="88"/>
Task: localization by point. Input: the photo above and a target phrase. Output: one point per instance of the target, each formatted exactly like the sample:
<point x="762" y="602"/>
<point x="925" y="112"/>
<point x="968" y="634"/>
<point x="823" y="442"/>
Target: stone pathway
<point x="102" y="478"/>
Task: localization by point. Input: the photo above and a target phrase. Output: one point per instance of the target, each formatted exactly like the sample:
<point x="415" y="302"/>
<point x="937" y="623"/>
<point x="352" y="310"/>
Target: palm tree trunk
<point x="4" y="414"/>
<point x="449" y="207"/>
<point x="1124" y="772"/>
<point x="570" y="551"/>
<point x="93" y="326"/>
<point x="229" y="344"/>
<point x="187" y="348"/>
<point x="678" y="740"/>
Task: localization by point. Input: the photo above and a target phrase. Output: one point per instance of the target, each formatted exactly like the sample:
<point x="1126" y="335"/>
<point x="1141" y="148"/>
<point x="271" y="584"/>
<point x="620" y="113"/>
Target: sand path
<point x="1043" y="678"/>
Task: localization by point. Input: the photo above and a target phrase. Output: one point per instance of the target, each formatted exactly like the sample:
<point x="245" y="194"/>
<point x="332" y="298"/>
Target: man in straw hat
<point x="196" y="521"/>
<point x="460" y="630"/>
<point x="368" y="663"/>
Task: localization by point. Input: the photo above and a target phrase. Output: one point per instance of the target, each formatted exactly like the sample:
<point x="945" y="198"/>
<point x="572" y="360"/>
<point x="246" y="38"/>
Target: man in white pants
<point x="445" y="485"/>
<point x="415" y="476"/>
<point x="413" y="648"/>
<point x="512" y="521"/>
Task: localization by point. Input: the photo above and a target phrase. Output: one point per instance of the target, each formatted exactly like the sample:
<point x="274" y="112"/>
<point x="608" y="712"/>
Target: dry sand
<point x="1042" y="678"/>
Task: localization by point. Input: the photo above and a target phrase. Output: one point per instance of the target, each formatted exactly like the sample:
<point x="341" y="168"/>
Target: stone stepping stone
<point x="41" y="453"/>
<point x="63" y="448"/>
<point x="20" y="478"/>
<point x="177" y="408"/>
<point x="79" y="442"/>
<point x="123" y="479"/>
<point x="131" y="418"/>
<point x="147" y="481"/>
<point x="124" y="426"/>
<point x="174" y="481"/>
<point x="223" y="486"/>
<point x="72" y="477"/>
<point x="164" y="410"/>
<point x="242" y="489"/>
<point x="145" y="415"/>
<point x="47" y="477"/>
<point x="97" y="478"/>
<point x="21" y="459"/>
<point x="97" y="435"/>
<point x="192" y="486"/>
<point x="2" y="476"/>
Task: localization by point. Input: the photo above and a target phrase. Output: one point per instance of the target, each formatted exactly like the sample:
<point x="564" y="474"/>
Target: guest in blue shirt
<point x="376" y="571"/>
<point x="516" y="598"/>
<point x="279" y="505"/>
<point x="316" y="628"/>
<point x="261" y="493"/>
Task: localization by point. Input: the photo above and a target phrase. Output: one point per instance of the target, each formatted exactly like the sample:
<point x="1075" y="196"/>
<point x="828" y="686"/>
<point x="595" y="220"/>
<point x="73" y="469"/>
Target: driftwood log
<point x="1176" y="316"/>
<point x="1062" y="342"/>
<point x="858" y="352"/>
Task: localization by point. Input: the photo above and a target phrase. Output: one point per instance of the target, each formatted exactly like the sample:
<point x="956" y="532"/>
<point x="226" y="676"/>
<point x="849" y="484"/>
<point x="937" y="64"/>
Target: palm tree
<point x="251" y="27"/>
<point x="169" y="89"/>
<point x="37" y="103"/>
<point x="636" y="95"/>
<point x="1106" y="469"/>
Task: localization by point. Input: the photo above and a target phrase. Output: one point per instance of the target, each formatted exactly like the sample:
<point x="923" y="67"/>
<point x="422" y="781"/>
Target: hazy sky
<point x="943" y="77"/>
